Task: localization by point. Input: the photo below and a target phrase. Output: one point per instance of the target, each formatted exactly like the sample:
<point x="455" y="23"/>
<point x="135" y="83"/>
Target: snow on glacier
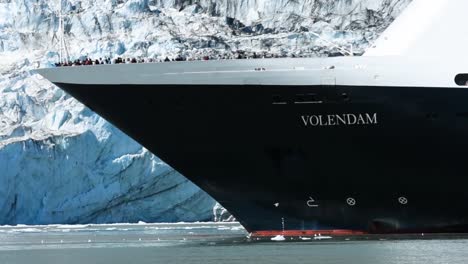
<point x="61" y="163"/>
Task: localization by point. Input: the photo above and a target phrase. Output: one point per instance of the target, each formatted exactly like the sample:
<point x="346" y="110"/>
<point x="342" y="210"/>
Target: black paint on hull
<point x="248" y="147"/>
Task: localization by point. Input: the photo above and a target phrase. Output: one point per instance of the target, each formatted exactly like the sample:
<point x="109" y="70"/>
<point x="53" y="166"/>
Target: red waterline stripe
<point x="335" y="232"/>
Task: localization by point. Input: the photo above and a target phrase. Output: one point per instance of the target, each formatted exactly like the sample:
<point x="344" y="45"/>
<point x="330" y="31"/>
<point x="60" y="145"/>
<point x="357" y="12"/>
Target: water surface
<point x="210" y="243"/>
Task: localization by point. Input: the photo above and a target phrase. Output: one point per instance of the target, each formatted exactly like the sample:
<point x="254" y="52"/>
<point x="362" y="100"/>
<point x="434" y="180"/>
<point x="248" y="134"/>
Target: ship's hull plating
<point x="388" y="160"/>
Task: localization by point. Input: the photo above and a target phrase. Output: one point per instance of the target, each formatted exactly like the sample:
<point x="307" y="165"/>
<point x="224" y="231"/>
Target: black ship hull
<point x="300" y="160"/>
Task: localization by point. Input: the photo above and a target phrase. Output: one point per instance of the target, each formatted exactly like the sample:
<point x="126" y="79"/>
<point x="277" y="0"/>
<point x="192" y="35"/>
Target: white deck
<point x="356" y="71"/>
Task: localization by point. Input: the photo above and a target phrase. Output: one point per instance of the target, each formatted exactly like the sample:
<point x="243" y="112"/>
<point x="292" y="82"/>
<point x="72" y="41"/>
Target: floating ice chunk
<point x="320" y="237"/>
<point x="72" y="226"/>
<point x="278" y="238"/>
<point x="25" y="230"/>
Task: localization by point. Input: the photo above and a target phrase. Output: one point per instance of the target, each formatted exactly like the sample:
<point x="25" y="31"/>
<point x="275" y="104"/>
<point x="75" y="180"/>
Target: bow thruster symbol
<point x="311" y="202"/>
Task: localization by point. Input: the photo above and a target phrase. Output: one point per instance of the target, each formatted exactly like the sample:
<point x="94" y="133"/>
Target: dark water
<point x="210" y="243"/>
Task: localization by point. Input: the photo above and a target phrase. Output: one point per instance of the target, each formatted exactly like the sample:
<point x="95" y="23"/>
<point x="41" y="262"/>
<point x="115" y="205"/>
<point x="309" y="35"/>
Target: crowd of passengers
<point x="120" y="60"/>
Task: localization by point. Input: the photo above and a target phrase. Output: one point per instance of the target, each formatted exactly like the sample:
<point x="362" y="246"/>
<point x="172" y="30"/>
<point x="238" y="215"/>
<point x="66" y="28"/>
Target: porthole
<point x="462" y="79"/>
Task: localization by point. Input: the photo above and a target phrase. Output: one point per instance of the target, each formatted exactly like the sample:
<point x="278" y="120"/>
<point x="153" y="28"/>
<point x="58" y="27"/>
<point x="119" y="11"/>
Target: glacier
<point x="63" y="164"/>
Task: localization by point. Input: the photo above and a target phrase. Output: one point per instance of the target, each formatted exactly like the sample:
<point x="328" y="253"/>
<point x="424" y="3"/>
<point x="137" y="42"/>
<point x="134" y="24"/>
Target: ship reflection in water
<point x="213" y="243"/>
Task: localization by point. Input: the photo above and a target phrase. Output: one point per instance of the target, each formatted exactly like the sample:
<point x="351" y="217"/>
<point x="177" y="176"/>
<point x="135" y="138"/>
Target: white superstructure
<point x="426" y="28"/>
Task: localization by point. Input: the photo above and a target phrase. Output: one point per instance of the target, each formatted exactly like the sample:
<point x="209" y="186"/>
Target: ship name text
<point x="340" y="119"/>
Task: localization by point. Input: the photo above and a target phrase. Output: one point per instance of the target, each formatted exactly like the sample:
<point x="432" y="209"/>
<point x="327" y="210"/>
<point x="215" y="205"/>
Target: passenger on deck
<point x="167" y="59"/>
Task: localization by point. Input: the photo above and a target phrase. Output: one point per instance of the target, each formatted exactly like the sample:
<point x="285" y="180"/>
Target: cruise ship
<point x="375" y="144"/>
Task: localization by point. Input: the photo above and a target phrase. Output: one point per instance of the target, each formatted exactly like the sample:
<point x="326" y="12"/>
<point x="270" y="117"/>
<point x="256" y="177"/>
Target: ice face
<point x="61" y="163"/>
